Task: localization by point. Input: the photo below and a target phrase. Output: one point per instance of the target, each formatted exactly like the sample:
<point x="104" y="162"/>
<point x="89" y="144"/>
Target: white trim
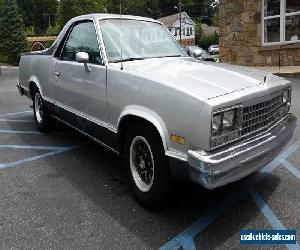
<point x="88" y="135"/>
<point x="282" y="17"/>
<point x="82" y="115"/>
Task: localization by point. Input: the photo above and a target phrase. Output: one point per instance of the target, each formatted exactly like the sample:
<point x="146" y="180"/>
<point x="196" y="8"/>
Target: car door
<point x="76" y="90"/>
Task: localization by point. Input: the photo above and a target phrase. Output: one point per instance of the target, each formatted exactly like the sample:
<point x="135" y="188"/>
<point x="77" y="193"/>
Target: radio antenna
<point x="121" y="40"/>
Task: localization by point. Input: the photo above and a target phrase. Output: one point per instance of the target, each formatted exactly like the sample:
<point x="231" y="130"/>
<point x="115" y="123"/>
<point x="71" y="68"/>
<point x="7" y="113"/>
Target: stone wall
<point x="240" y="37"/>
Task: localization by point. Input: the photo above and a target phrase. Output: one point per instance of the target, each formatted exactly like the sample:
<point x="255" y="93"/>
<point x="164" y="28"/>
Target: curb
<point x="9" y="71"/>
<point x="289" y="75"/>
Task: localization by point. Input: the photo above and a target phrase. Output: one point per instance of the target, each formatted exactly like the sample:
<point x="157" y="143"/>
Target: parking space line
<point x="268" y="213"/>
<point x="265" y="209"/>
<point x="37" y="157"/>
<point x="23" y="121"/>
<point x="185" y="238"/>
<point x="291" y="168"/>
<point x="48" y="148"/>
<point x="19" y="132"/>
<point x="197" y="227"/>
<point x="17" y="113"/>
<point x="287" y="153"/>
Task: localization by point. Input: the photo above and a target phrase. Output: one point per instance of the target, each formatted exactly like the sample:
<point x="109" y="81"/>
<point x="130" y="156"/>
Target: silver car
<point x="127" y="84"/>
<point x="213" y="49"/>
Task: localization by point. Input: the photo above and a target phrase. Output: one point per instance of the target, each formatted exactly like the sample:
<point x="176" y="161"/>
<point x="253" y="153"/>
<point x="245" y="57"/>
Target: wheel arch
<point x="34" y="82"/>
<point x="143" y="115"/>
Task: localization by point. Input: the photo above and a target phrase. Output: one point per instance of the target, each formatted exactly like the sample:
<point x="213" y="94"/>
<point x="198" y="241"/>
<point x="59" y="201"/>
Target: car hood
<point x="206" y="79"/>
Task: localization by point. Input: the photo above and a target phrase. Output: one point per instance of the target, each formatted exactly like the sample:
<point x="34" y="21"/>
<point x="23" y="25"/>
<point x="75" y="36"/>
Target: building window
<point x="176" y="31"/>
<point x="183" y="31"/>
<point x="188" y="31"/>
<point x="191" y="31"/>
<point x="281" y="21"/>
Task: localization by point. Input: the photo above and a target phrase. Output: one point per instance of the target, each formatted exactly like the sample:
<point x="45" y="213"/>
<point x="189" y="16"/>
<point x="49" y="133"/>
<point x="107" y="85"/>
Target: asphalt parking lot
<point x="60" y="190"/>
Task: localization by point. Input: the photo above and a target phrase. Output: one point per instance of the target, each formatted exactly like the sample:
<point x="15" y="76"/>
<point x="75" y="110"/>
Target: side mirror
<point x="83" y="57"/>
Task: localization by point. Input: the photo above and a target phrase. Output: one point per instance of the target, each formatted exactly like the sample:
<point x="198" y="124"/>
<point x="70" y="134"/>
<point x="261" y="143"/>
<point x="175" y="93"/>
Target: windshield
<point x="140" y="40"/>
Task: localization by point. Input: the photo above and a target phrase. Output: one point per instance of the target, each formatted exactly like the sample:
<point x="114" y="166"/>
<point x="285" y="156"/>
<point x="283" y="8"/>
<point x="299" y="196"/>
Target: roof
<point x="111" y="16"/>
<point x="170" y="20"/>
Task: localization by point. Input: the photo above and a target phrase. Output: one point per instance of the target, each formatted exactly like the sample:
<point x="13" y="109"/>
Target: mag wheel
<point x="41" y="114"/>
<point x="148" y="170"/>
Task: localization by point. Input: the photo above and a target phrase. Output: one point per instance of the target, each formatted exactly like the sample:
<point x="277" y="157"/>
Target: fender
<point x="36" y="81"/>
<point x="150" y="116"/>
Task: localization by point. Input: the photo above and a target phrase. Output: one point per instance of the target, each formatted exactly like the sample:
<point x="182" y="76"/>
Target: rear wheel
<point x="41" y="114"/>
<point x="148" y="170"/>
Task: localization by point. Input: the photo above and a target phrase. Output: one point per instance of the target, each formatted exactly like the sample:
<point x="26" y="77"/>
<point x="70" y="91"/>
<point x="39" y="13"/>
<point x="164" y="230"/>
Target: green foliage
<point x="54" y="30"/>
<point x="38" y="13"/>
<point x="195" y="8"/>
<point x="12" y="32"/>
<point x="201" y="39"/>
<point x="148" y="8"/>
<point x="205" y="41"/>
<point x="215" y="19"/>
<point x="30" y="31"/>
<point x="71" y="8"/>
<point x="198" y="29"/>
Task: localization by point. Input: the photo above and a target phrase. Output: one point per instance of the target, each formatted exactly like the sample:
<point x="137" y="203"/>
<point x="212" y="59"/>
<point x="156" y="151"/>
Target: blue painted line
<point x="291" y="168"/>
<point x="253" y="181"/>
<point x="185" y="237"/>
<point x="19" y="132"/>
<point x="17" y="113"/>
<point x="287" y="153"/>
<point x="48" y="148"/>
<point x="21" y="121"/>
<point x="188" y="243"/>
<point x="268" y="213"/>
<point x="34" y="158"/>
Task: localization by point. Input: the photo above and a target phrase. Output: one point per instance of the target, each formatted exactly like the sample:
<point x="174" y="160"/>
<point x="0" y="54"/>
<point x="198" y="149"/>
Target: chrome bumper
<point x="218" y="168"/>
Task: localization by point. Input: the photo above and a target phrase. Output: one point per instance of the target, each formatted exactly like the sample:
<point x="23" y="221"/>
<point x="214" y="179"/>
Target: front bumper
<point x="218" y="168"/>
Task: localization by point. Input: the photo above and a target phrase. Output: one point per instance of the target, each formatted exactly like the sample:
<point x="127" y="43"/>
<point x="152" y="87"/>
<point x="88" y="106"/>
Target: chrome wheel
<point x="142" y="164"/>
<point x="38" y="107"/>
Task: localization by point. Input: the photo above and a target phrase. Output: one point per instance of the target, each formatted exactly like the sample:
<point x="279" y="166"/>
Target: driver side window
<point x="82" y="39"/>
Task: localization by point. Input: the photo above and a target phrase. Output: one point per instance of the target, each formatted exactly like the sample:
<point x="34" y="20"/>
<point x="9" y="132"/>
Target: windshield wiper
<point x="130" y="59"/>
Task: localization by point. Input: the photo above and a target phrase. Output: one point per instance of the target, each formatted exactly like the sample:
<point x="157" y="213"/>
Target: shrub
<point x="12" y="33"/>
<point x="205" y="41"/>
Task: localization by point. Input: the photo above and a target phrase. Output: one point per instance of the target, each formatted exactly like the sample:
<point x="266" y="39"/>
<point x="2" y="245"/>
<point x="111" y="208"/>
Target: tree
<point x="39" y="14"/>
<point x="147" y="8"/>
<point x="70" y="8"/>
<point x="12" y="32"/>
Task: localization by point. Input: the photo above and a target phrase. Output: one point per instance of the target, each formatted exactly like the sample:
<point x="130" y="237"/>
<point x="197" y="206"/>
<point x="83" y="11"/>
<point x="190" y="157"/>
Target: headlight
<point x="217" y="122"/>
<point x="228" y="120"/>
<point x="285" y="97"/>
<point x="225" y="126"/>
<point x="285" y="102"/>
<point x="224" y="122"/>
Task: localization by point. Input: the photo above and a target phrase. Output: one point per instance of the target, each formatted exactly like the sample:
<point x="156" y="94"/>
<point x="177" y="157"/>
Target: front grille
<point x="261" y="115"/>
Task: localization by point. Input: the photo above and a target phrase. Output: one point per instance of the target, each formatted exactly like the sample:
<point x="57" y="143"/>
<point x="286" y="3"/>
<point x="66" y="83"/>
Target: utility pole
<point x="180" y="13"/>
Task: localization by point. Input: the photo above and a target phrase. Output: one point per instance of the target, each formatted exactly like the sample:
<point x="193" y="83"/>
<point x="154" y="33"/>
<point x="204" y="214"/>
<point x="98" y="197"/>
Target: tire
<point x="147" y="167"/>
<point x="41" y="115"/>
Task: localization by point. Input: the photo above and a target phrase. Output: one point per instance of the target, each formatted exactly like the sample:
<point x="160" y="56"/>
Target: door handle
<point x="56" y="75"/>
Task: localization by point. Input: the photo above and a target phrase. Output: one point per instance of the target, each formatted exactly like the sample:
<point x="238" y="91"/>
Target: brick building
<point x="259" y="32"/>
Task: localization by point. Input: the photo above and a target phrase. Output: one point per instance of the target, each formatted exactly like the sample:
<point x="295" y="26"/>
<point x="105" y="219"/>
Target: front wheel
<point x="148" y="170"/>
<point x="41" y="115"/>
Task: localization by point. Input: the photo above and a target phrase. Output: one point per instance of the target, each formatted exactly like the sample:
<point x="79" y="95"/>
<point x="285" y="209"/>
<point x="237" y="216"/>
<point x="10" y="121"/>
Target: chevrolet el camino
<point x="126" y="83"/>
